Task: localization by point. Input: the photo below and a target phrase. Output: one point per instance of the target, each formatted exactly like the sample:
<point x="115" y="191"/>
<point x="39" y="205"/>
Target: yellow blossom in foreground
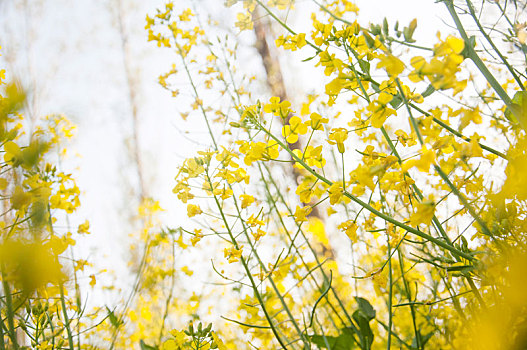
<point x="193" y="210"/>
<point x="424" y="213"/>
<point x="338" y="136"/>
<point x="392" y="64"/>
<point x="427" y="158"/>
<point x="218" y="341"/>
<point x="301" y="213"/>
<point x="335" y="193"/>
<point x="232" y="254"/>
<point x="350" y="228"/>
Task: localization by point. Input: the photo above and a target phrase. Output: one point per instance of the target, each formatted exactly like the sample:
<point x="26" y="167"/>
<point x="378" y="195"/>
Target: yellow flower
<point x="84" y="228"/>
<point x="316" y="121"/>
<point x="295" y="127"/>
<point x="197" y="237"/>
<point x="258" y="234"/>
<point x="244" y="22"/>
<point x="246" y="200"/>
<point x="232" y="254"/>
<point x="427" y="158"/>
<point x="312" y="156"/>
<point x="335" y="193"/>
<point x="185" y="15"/>
<point x="424" y="213"/>
<point x="187" y="271"/>
<point x="291" y="42"/>
<point x="93" y="281"/>
<point x="218" y="341"/>
<point x="330" y="62"/>
<point x="301" y="213"/>
<point x="20" y="199"/>
<point x="193" y="210"/>
<point x="350" y="228"/>
<point x="254" y="221"/>
<point x="392" y="64"/>
<point x="338" y="136"/>
<point x="279" y="109"/>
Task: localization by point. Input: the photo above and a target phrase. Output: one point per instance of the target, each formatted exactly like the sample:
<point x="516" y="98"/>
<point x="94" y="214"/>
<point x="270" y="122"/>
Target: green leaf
<point x="364" y="66"/>
<point x="408" y="32"/>
<point x="518" y="111"/>
<point x="143" y="346"/>
<point x="366" y="335"/>
<point x="471" y="44"/>
<point x="429" y="91"/>
<point x="113" y="319"/>
<point x="385" y="27"/>
<point x="344" y="341"/>
<point x="396" y="102"/>
<point x="365" y="308"/>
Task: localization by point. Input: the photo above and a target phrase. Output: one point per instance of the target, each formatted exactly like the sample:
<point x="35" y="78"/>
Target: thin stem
<point x="10" y="313"/>
<point x="66" y="318"/>
<point x="369" y="207"/>
<point x="503" y="59"/>
<point x="477" y="60"/>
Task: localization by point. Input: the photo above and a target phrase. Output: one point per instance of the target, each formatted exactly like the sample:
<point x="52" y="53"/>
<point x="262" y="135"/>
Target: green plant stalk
<point x="369" y="207"/>
<point x="248" y="273"/>
<point x="196" y="95"/>
<point x="498" y="52"/>
<point x="66" y="318"/>
<point x="319" y="264"/>
<point x="476" y="59"/>
<point x="275" y="288"/>
<point x="132" y="294"/>
<point x="390" y="293"/>
<point x="52" y="328"/>
<point x="394" y="335"/>
<point x="464" y="201"/>
<point x="170" y="294"/>
<point x="10" y="313"/>
<point x="253" y="249"/>
<point x="409" y="296"/>
<point x="438" y="169"/>
<point x="341" y="304"/>
<point x="2" y="344"/>
<point x="224" y="219"/>
<point x="326" y="279"/>
<point x="437" y="224"/>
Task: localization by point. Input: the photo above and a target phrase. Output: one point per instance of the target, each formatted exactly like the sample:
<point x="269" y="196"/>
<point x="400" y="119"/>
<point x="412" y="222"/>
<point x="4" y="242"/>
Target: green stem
<point x="477" y="60"/>
<point x="390" y="293"/>
<point x="369" y="207"/>
<point x="10" y="313"/>
<point x="438" y="169"/>
<point x="285" y="26"/>
<point x="326" y="279"/>
<point x="66" y="318"/>
<point x="498" y="52"/>
<point x="196" y="96"/>
<point x="409" y="296"/>
<point x="248" y="273"/>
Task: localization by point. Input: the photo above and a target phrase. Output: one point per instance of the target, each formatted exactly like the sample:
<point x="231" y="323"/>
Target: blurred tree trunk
<point x="275" y="81"/>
